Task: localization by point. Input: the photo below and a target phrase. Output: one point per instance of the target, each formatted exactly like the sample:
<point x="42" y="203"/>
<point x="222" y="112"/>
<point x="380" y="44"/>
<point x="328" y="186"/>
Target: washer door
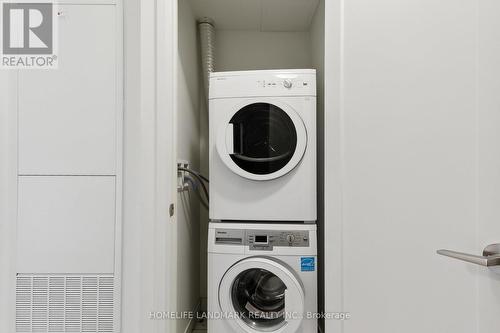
<point x="262" y="140"/>
<point x="261" y="295"/>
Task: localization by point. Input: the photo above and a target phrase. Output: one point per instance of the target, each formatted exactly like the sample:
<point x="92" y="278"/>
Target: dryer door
<point x="262" y="140"/>
<point x="261" y="295"/>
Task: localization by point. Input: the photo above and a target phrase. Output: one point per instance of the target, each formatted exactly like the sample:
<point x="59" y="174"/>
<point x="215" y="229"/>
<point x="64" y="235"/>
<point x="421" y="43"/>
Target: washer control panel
<point x="266" y="238"/>
<point x="263" y="240"/>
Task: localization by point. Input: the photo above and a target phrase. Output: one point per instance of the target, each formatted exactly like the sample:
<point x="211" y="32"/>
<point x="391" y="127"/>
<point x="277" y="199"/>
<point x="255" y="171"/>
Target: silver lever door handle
<point x="490" y="257"/>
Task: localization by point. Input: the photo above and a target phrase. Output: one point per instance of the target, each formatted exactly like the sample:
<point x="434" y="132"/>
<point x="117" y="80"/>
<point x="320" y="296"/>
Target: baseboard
<point x="192" y="321"/>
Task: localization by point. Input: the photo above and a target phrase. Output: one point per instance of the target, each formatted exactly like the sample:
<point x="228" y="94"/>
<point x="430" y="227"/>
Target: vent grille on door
<point x="64" y="303"/>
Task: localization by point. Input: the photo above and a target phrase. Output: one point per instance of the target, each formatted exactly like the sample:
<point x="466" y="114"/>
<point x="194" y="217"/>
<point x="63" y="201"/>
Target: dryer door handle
<point x="261" y="159"/>
<point x="230" y="138"/>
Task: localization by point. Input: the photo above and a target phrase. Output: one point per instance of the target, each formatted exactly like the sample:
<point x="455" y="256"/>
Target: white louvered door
<point x="67" y="268"/>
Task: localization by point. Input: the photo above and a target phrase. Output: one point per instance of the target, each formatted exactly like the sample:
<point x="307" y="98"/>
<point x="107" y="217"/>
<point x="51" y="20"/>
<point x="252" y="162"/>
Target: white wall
<point x="203" y="211"/>
<point x="333" y="260"/>
<point x="188" y="148"/>
<point x="4" y="258"/>
<point x="317" y="42"/>
<point x="8" y="200"/>
<point x="149" y="256"/>
<point x="249" y="50"/>
<point x="131" y="281"/>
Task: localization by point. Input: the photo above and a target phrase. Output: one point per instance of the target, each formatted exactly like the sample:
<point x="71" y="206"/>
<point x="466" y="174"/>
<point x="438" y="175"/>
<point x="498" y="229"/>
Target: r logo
<point x="27" y="28"/>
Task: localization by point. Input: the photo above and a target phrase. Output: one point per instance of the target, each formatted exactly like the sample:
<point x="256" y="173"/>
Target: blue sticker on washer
<point x="307" y="264"/>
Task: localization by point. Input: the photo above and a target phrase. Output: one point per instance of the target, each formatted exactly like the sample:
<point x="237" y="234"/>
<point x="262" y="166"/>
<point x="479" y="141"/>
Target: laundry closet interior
<point x="249" y="35"/>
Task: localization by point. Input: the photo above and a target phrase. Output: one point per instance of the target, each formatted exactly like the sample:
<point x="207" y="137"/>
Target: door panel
<point x="410" y="165"/>
<point x="68" y="116"/>
<point x="488" y="158"/>
<point x="66" y="225"/>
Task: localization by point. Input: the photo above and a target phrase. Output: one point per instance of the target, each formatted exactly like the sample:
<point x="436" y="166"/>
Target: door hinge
<point x="171" y="210"/>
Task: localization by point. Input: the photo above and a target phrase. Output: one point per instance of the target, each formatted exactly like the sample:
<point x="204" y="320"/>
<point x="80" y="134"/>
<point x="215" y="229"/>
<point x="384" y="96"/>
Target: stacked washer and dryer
<point x="262" y="244"/>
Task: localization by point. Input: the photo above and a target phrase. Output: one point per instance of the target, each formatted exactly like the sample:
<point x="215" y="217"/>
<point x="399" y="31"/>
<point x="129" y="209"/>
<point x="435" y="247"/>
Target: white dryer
<point x="262" y="278"/>
<point x="262" y="147"/>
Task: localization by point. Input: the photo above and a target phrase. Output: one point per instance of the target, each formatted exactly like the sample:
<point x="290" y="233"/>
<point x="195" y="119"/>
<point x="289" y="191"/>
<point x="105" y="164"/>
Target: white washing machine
<point x="262" y="147"/>
<point x="262" y="278"/>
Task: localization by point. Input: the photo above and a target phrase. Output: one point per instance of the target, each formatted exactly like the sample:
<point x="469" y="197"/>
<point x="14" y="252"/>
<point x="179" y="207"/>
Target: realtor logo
<point x="28" y="31"/>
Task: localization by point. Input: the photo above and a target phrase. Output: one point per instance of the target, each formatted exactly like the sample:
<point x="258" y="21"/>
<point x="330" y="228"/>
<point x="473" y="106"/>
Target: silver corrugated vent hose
<point x="207" y="40"/>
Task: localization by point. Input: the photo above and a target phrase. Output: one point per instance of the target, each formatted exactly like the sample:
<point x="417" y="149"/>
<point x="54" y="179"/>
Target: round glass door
<point x="262" y="140"/>
<point x="259" y="296"/>
<point x="264" y="296"/>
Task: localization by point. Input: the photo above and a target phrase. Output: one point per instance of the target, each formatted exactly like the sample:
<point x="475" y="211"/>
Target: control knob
<point x="287" y="84"/>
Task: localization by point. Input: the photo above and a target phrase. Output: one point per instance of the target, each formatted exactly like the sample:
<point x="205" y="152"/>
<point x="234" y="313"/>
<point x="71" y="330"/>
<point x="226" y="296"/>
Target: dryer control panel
<point x="263" y="83"/>
<point x="291" y="83"/>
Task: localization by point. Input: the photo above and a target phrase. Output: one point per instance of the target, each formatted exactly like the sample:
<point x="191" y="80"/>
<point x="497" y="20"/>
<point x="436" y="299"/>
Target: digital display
<point x="260" y="239"/>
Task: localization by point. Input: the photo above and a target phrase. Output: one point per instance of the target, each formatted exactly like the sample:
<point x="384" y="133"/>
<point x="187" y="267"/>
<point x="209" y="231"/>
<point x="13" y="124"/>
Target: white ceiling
<point x="257" y="15"/>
